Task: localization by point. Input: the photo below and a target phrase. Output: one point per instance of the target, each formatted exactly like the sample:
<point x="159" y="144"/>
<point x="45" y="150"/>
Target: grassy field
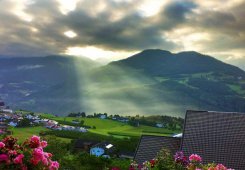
<point x="115" y="128"/>
<point x="105" y="127"/>
<point x="237" y="89"/>
<point x="24" y="133"/>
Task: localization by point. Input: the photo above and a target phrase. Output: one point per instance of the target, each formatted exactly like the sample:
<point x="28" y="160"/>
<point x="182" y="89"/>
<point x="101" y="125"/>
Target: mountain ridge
<point x="164" y="58"/>
<point x="150" y="82"/>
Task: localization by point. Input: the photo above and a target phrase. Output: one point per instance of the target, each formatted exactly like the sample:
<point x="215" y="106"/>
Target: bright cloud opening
<point x="150" y="8"/>
<point x="19" y="10"/>
<point x="95" y="53"/>
<point x="67" y="6"/>
<point x="70" y="34"/>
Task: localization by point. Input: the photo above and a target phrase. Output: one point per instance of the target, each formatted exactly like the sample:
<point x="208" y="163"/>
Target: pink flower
<point x="35" y="141"/>
<point x="34" y="161"/>
<point x="37" y="155"/>
<point x="3" y="157"/>
<point x="18" y="159"/>
<point x="220" y="167"/>
<point x="54" y="165"/>
<point x="2" y="145"/>
<point x="35" y="138"/>
<point x="45" y="161"/>
<point x="195" y="158"/>
<point x="44" y="144"/>
<point x="47" y="155"/>
<point x="12" y="152"/>
<point x="23" y="168"/>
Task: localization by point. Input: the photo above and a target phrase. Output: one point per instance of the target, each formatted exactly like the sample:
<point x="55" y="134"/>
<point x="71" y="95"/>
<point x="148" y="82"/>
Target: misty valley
<point x="152" y="82"/>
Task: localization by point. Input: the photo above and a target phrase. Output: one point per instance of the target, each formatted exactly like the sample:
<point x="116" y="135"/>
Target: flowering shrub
<point x="179" y="158"/>
<point x="145" y="166"/>
<point x="165" y="161"/>
<point x="29" y="155"/>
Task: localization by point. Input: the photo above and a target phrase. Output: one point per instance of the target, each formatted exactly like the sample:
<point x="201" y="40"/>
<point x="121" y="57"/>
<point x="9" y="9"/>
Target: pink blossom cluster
<point x="195" y="164"/>
<point x="38" y="155"/>
<point x="219" y="167"/>
<point x="180" y="160"/>
<point x="195" y="158"/>
<point x="26" y="156"/>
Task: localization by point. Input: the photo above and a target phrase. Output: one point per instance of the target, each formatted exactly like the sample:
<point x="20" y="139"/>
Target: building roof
<point x="216" y="136"/>
<point x="105" y="145"/>
<point x="149" y="146"/>
<point x="79" y="143"/>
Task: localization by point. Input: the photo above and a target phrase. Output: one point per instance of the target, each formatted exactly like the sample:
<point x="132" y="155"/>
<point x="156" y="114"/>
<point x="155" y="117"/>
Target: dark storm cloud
<point x="226" y="28"/>
<point x="119" y="25"/>
<point x="174" y="14"/>
<point x="17" y="37"/>
<point x="178" y="10"/>
<point x="131" y="32"/>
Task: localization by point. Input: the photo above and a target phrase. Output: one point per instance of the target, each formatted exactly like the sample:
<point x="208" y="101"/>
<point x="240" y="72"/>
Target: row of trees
<point x="172" y="123"/>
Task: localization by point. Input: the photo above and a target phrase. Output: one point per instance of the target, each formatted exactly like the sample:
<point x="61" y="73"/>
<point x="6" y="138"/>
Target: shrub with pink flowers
<point x="165" y="161"/>
<point x="28" y="155"/>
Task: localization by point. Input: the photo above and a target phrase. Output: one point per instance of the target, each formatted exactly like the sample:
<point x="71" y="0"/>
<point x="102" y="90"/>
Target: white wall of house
<point x="103" y="116"/>
<point x="97" y="151"/>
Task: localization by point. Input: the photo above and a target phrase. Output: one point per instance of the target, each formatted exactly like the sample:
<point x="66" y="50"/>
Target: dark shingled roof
<point x="79" y="143"/>
<point x="216" y="136"/>
<point x="149" y="146"/>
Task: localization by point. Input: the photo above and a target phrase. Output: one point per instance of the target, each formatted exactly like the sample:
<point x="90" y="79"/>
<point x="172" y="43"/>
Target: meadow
<point x="115" y="128"/>
<point x="23" y="133"/>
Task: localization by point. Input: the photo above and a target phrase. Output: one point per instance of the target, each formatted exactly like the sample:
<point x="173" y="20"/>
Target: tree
<point x="24" y="123"/>
<point x="81" y="123"/>
<point x="83" y="114"/>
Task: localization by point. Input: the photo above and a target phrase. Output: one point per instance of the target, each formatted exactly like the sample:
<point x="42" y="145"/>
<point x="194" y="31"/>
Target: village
<point x="10" y="118"/>
<point x="75" y="127"/>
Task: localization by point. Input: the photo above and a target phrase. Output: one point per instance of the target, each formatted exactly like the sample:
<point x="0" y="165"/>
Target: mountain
<point x="151" y="82"/>
<point x="163" y="63"/>
<point x="47" y="84"/>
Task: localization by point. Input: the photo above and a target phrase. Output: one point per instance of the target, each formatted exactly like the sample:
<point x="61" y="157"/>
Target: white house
<point x="102" y="149"/>
<point x="14" y="124"/>
<point x="81" y="129"/>
<point x="7" y="117"/>
<point x="159" y="125"/>
<point x="97" y="151"/>
<point x="103" y="116"/>
<point x="29" y="117"/>
<point x="178" y="135"/>
<point x="75" y="121"/>
<point x="7" y="111"/>
<point x="37" y="121"/>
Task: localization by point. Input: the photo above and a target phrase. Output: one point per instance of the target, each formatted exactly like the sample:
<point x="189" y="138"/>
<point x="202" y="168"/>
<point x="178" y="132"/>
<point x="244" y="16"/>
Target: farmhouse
<point x="102" y="149"/>
<point x="103" y="116"/>
<point x="159" y="125"/>
<point x="84" y="145"/>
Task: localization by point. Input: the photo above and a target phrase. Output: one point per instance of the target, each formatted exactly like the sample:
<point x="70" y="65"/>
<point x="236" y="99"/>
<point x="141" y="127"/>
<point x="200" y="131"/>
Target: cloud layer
<point x="37" y="27"/>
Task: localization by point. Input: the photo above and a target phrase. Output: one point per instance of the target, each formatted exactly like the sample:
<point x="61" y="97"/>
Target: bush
<point x="29" y="155"/>
<point x="166" y="161"/>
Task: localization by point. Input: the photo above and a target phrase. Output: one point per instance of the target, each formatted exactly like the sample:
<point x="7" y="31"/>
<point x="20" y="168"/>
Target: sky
<point x="109" y="30"/>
